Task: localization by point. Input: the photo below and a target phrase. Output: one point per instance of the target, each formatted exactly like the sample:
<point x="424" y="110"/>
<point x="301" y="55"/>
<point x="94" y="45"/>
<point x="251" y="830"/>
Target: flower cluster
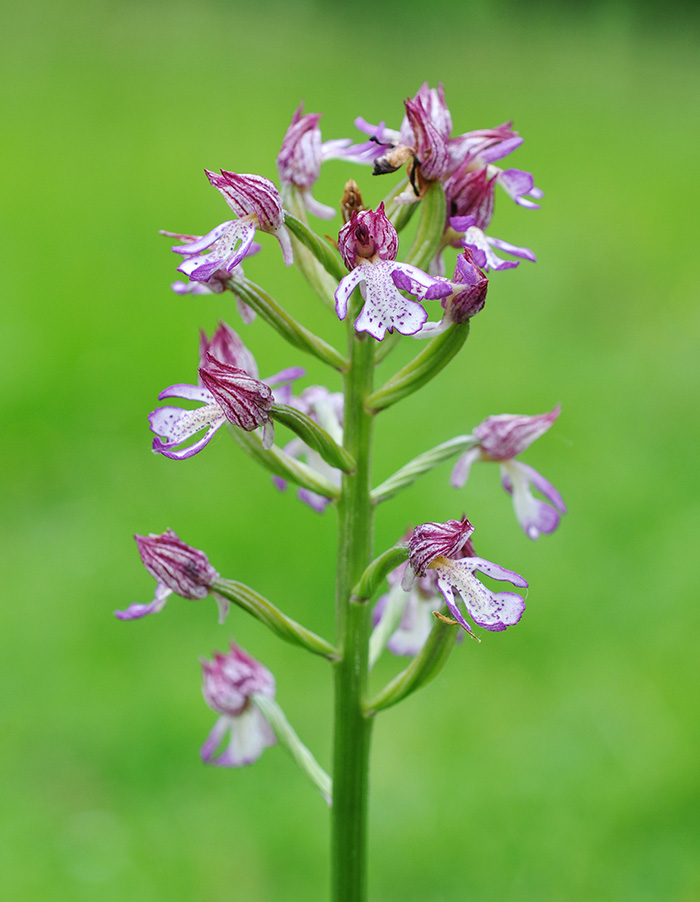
<point x="451" y="182"/>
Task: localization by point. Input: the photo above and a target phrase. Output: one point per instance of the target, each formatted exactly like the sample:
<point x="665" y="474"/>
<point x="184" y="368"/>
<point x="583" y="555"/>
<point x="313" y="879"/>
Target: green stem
<point x="352" y="726"/>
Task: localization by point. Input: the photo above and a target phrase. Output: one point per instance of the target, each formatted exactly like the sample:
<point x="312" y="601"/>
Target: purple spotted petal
<point x="346" y="287"/>
<point x="201" y="244"/>
<point x="544" y="486"/>
<point x="518" y="184"/>
<point x="176" y="426"/>
<point x="495" y="571"/>
<point x="523" y="252"/>
<point x="447" y="593"/>
<point x="490" y="610"/>
<point x="385" y="310"/>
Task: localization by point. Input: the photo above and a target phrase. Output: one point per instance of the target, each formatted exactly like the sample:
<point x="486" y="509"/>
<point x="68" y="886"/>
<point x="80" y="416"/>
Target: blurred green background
<point x="557" y="761"/>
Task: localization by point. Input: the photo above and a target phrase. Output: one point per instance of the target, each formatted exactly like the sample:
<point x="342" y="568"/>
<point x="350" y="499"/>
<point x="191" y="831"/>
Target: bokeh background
<point x="557" y="761"/>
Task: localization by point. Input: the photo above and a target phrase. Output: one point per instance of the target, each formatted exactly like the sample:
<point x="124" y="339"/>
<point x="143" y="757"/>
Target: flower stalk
<point x="352" y="727"/>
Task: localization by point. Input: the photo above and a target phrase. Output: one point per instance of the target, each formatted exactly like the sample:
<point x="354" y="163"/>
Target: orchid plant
<point x="433" y="594"/>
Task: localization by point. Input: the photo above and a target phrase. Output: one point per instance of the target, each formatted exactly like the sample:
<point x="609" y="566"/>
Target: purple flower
<point x="229" y="390"/>
<point x="176" y="567"/>
<point x="220" y="279"/>
<point x="368" y="244"/>
<point x="467" y="296"/>
<point x="422" y="141"/>
<point x="481" y="246"/>
<point x="257" y="203"/>
<point x="500" y="438"/>
<point x="231" y="681"/>
<point x="302" y="153"/>
<point x="326" y="409"/>
<point x="471" y="186"/>
<point x="435" y="546"/>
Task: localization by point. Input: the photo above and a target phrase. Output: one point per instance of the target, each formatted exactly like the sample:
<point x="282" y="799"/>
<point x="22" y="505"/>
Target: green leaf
<point x="314" y="436"/>
<point x="313" y="271"/>
<point x="424" y="366"/>
<point x="272" y="617"/>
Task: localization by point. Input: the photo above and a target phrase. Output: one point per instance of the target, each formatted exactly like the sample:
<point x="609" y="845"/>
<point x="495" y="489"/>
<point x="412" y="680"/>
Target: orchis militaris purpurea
<point x="231" y="682"/>
<point x="368" y="244"/>
<point x="438" y="547"/>
<point x="500" y="438"/>
<point x="431" y="576"/>
<point x="302" y="153"/>
<point x="257" y="203"/>
<point x="229" y="390"/>
<point x="176" y="567"/>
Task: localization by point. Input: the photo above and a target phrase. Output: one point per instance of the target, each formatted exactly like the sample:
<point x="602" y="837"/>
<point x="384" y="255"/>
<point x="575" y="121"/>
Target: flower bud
<point x="464" y="304"/>
<point x="229" y="682"/>
<point x="300" y="157"/>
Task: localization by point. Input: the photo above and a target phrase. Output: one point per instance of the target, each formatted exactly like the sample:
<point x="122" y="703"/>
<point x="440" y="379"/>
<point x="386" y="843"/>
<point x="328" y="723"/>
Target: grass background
<point x="557" y="761"/>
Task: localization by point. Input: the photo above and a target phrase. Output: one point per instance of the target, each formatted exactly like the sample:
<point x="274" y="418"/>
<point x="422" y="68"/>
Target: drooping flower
<point x="500" y="438"/>
<point x="326" y="409"/>
<point x="368" y="244"/>
<point x="176" y="567"/>
<point x="302" y="153"/>
<point x="257" y="203"/>
<point x="437" y="546"/>
<point x="229" y="389"/>
<point x="231" y="681"/>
